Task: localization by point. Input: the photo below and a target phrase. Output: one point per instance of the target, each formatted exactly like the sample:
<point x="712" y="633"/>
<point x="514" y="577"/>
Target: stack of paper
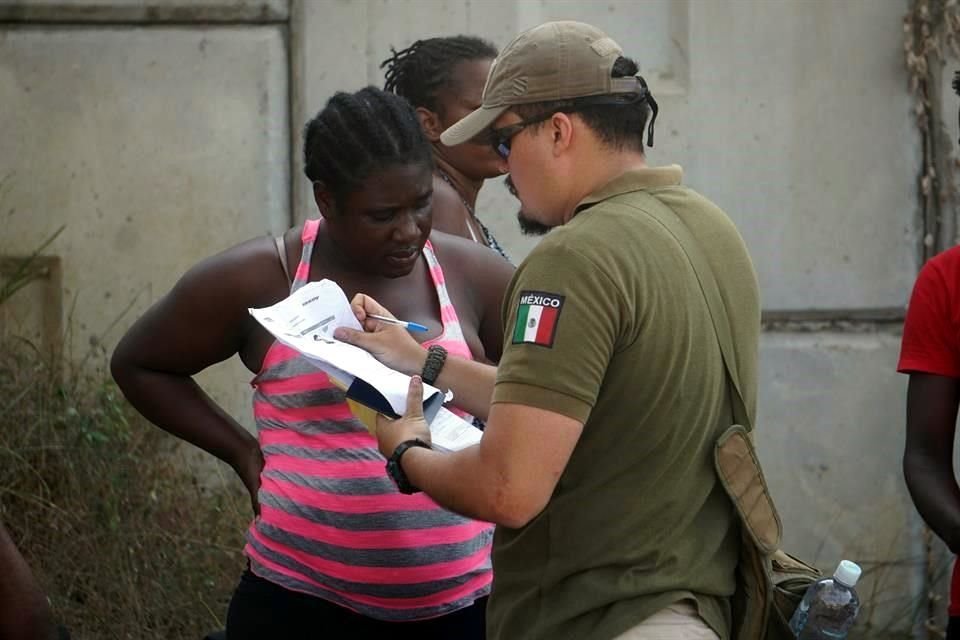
<point x="305" y="321"/>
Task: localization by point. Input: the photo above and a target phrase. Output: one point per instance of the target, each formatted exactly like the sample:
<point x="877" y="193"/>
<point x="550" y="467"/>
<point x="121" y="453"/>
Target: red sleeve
<point x="929" y="332"/>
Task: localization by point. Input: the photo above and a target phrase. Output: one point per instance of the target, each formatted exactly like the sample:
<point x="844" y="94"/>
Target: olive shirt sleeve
<point x="562" y="322"/>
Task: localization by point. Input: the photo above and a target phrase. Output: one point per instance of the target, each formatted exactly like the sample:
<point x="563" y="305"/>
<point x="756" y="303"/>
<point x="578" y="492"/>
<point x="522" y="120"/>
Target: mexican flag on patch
<point x="537" y="316"/>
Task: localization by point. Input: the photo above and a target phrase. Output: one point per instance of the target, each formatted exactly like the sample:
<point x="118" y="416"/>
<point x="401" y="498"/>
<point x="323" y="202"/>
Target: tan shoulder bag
<point x="770" y="583"/>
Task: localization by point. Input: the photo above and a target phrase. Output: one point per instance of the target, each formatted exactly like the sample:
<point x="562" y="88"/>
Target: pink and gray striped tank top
<point x="332" y="524"/>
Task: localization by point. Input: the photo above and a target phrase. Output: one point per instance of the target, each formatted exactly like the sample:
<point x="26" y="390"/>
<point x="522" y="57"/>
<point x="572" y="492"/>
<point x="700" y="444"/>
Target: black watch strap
<point x="395" y="471"/>
<point x="436" y="356"/>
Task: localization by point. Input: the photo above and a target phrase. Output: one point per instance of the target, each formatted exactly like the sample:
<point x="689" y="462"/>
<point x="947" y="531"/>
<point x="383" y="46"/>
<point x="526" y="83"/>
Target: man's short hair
<point x="618" y="120"/>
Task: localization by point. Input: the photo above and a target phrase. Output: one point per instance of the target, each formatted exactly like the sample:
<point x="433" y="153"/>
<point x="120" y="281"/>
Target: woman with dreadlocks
<point x="443" y="79"/>
<point x="335" y="550"/>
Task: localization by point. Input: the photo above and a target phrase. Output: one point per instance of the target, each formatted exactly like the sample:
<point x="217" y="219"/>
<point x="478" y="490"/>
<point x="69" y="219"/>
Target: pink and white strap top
<point x="332" y="524"/>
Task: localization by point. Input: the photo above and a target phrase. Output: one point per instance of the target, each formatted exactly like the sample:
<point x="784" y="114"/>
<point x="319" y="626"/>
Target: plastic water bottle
<point x="829" y="607"/>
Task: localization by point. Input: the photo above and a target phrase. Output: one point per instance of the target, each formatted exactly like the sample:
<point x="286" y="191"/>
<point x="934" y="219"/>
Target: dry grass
<point x="121" y="535"/>
<point x="125" y="540"/>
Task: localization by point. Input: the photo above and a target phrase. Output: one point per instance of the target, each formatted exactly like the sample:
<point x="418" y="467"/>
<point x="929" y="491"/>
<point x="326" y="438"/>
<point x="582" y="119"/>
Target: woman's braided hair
<point x="359" y="133"/>
<point x="421" y="70"/>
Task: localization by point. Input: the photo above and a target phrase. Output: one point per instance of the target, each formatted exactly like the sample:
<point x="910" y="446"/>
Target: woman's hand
<point x="249" y="471"/>
<point x="390" y="344"/>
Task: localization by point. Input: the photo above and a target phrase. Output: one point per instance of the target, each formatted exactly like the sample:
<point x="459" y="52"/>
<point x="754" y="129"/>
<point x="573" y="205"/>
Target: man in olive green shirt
<point x="597" y="460"/>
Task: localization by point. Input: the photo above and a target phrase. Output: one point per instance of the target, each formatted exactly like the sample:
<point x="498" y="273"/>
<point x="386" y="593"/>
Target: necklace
<point x="488" y="238"/>
<point x="443" y="176"/>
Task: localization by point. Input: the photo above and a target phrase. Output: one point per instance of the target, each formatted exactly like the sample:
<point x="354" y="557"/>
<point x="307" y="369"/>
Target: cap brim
<point x="468" y="128"/>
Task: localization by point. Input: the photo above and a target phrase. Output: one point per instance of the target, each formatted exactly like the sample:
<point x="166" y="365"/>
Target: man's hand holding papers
<point x="306" y="320"/>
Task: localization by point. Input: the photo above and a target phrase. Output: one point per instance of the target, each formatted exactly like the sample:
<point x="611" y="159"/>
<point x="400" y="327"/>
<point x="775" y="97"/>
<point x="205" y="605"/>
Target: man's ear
<point x="430" y="123"/>
<point x="561" y="129"/>
<point x="326" y="203"/>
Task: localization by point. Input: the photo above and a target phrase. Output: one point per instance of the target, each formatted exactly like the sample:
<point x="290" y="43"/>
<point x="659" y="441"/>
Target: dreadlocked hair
<point x="418" y="72"/>
<point x="357" y="134"/>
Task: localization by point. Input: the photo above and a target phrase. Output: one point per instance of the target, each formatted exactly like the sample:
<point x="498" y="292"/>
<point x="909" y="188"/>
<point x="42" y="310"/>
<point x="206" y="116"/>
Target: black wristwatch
<point x="395" y="471"/>
<point x="436" y="356"/>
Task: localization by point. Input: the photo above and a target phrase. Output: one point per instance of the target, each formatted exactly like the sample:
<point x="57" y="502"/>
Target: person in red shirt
<point x="930" y="354"/>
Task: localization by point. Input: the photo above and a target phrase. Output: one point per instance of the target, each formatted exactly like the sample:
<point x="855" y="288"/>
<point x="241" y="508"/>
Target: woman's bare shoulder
<point x="471" y="259"/>
<point x="250" y="271"/>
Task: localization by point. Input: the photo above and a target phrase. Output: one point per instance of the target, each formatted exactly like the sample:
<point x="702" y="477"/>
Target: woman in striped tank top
<point x="335" y="551"/>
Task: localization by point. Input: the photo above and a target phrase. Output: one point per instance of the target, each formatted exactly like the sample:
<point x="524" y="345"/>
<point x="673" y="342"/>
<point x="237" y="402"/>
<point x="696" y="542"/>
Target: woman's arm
<point x="928" y="455"/>
<point x="202" y="321"/>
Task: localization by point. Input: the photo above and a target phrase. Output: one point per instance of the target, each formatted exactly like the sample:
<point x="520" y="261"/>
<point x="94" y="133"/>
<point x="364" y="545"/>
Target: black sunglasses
<point x="501" y="139"/>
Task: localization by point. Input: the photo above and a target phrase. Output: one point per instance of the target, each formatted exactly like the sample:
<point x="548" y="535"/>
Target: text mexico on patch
<point x="537" y="316"/>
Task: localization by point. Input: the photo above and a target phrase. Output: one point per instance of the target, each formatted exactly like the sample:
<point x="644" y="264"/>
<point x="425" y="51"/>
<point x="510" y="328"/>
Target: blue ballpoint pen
<point x="409" y="326"/>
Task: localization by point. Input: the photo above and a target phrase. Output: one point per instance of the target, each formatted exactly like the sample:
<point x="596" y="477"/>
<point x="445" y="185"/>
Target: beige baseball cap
<point x="554" y="61"/>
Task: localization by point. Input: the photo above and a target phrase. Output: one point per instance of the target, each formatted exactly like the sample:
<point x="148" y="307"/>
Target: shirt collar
<point x="635" y="180"/>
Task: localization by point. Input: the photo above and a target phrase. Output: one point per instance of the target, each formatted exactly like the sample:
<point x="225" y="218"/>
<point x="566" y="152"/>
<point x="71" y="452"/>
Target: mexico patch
<point x="537" y="316"/>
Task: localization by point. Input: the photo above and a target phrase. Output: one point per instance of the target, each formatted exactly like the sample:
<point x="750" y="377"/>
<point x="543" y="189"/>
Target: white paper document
<point x="305" y="321"/>
<point x="451" y="432"/>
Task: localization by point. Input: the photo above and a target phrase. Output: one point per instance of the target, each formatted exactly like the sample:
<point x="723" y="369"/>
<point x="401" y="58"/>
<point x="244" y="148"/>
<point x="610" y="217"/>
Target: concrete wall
<point x="162" y="131"/>
<point x="155" y="145"/>
<point x="830" y="439"/>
